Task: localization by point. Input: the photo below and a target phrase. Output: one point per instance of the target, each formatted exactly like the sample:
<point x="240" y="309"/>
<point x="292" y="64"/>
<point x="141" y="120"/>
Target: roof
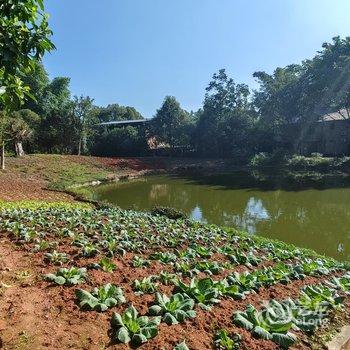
<point x="338" y="115"/>
<point x="124" y="122"/>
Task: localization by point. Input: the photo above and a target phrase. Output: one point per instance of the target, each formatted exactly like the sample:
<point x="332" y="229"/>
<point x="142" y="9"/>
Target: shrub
<point x="170" y="213"/>
<point x="262" y="159"/>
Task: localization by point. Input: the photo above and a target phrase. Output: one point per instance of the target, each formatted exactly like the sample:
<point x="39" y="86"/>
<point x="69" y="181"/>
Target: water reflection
<point x="252" y="215"/>
<point x="310" y="211"/>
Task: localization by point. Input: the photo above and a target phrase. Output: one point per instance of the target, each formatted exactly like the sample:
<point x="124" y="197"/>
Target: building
<point x="329" y="136"/>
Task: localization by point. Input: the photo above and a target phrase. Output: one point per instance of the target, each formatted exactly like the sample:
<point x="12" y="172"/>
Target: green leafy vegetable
<point x="100" y="299"/>
<point x="174" y="309"/>
<point x="65" y="276"/>
<point x="130" y="327"/>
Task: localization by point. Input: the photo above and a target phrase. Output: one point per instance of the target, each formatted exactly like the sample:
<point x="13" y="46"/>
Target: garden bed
<point x="212" y="273"/>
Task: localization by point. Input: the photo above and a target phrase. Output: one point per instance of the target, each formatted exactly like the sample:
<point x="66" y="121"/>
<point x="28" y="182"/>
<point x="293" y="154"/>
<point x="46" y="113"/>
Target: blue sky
<point x="135" y="52"/>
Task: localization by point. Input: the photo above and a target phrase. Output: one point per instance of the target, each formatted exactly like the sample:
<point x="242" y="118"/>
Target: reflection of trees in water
<point x="158" y="191"/>
<point x="316" y="218"/>
<point x="253" y="213"/>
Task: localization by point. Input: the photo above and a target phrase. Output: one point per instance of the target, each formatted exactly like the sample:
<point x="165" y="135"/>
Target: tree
<point x="24" y="34"/>
<point x="125" y="141"/>
<point x="19" y="132"/>
<point x="115" y="112"/>
<point x="38" y="82"/>
<point x="33" y="121"/>
<point x="83" y="112"/>
<point x="169" y="123"/>
<point x="59" y="128"/>
<point x="226" y="117"/>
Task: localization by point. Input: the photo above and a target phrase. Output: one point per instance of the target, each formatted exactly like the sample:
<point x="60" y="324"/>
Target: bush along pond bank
<point x="315" y="161"/>
<point x="123" y="277"/>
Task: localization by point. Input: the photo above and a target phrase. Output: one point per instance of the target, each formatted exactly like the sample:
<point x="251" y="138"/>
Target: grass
<point x="59" y="171"/>
<point x="63" y="172"/>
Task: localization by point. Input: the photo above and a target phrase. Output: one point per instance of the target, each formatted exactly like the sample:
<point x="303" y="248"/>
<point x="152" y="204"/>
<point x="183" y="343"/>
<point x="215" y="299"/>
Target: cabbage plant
<point x="174" y="309"/>
<point x="267" y="325"/>
<point x="130" y="327"/>
<point x="67" y="276"/>
<point x="340" y="283"/>
<point x="100" y="299"/>
<point x="204" y="291"/>
<point x="144" y="286"/>
<point x="56" y="258"/>
<point x="320" y="296"/>
<point x="225" y="341"/>
<point x="181" y="346"/>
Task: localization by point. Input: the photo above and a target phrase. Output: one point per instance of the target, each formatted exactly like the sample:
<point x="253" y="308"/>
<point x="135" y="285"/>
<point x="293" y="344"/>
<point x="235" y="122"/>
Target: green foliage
<point x="240" y="257"/>
<point x="226" y="119"/>
<point x="130" y="327"/>
<point x="263" y="325"/>
<point x="164" y="257"/>
<point x="137" y="261"/>
<point x="171" y="213"/>
<point x="166" y="278"/>
<point x="315" y="161"/>
<point x="181" y="346"/>
<point x="125" y="141"/>
<point x="42" y="206"/>
<point x="83" y="111"/>
<point x="168" y="123"/>
<point x="203" y="291"/>
<point x="318" y="296"/>
<point x="209" y="267"/>
<point x="225" y="341"/>
<point x="56" y="258"/>
<point x="144" y="286"/>
<point x="100" y="299"/>
<point x="231" y="290"/>
<point x="341" y="283"/>
<point x="185" y="269"/>
<point x="107" y="265"/>
<point x="65" y="276"/>
<point x="277" y="158"/>
<point x="174" y="309"/>
<point x="25" y="36"/>
<point x="198" y="245"/>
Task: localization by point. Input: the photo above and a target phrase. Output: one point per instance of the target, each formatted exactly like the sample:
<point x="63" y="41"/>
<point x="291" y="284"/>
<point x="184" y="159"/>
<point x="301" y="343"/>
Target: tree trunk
<point x="2" y="155"/>
<point x="79" y="146"/>
<point x="19" y="149"/>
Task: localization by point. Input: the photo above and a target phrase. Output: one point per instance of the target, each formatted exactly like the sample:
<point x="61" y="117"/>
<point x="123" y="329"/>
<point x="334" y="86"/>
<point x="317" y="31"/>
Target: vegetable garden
<point x="175" y="284"/>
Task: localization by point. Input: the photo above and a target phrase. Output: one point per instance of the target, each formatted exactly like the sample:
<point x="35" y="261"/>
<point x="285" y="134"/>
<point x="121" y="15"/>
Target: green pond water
<point x="310" y="211"/>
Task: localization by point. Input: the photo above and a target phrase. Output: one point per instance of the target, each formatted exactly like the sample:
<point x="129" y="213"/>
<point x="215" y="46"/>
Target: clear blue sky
<point x="135" y="52"/>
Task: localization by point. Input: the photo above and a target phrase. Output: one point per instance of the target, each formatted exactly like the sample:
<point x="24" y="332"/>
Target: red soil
<point x="37" y="315"/>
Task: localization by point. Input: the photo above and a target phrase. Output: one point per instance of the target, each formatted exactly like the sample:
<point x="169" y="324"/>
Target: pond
<point x="307" y="209"/>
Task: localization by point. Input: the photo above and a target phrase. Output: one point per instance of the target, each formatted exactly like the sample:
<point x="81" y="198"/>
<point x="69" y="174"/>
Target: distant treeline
<point x="234" y="122"/>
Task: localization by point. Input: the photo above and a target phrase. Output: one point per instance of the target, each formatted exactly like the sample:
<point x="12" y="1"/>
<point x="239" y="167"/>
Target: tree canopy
<point x="24" y="34"/>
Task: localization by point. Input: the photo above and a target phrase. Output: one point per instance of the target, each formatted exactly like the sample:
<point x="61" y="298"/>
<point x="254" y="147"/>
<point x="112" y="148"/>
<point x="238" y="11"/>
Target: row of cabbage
<point x="187" y="248"/>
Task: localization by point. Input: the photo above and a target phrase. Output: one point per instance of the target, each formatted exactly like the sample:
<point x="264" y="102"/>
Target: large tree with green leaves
<point x="24" y="38"/>
<point x="226" y="118"/>
<point x="169" y="123"/>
